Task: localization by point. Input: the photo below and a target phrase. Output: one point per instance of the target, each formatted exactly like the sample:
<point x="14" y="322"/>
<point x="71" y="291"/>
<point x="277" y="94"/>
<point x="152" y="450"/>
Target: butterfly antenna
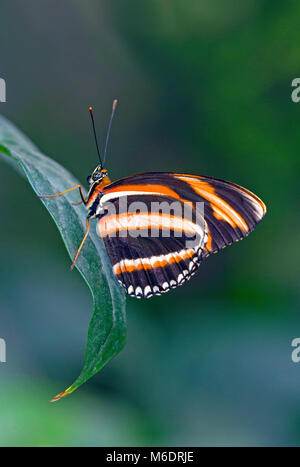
<point x="109" y="128"/>
<point x="95" y="134"/>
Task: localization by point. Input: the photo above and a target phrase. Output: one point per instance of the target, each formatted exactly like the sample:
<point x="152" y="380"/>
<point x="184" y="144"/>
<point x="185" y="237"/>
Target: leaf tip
<point x="63" y="394"/>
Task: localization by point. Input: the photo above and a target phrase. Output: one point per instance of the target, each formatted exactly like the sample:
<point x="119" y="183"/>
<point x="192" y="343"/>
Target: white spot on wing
<point x="179" y="278"/>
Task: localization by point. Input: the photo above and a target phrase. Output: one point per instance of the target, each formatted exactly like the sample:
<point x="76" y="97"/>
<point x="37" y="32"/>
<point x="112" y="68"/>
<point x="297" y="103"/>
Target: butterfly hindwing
<point x="151" y="251"/>
<point x="151" y="274"/>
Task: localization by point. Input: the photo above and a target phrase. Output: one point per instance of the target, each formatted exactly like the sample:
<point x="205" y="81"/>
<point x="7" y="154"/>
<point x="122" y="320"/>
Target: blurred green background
<point x="204" y="87"/>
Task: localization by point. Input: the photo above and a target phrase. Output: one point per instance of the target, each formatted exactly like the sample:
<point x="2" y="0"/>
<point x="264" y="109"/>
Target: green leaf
<point x="107" y="329"/>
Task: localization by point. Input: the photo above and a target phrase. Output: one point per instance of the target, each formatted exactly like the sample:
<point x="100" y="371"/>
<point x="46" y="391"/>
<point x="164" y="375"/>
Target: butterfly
<point x="157" y="227"/>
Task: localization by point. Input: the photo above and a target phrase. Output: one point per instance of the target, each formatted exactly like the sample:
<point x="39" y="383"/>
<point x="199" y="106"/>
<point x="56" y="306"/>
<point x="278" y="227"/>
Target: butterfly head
<point x="99" y="175"/>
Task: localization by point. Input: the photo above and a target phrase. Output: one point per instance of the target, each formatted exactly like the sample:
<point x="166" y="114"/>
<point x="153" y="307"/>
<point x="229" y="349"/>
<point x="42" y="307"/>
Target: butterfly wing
<point x="147" y="266"/>
<point x="152" y="250"/>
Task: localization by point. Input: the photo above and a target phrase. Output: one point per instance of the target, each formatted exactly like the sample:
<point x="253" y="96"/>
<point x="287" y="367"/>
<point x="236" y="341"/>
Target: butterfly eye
<point x="89" y="179"/>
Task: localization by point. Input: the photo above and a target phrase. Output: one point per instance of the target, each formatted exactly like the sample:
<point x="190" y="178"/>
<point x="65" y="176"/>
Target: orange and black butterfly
<point x="151" y="249"/>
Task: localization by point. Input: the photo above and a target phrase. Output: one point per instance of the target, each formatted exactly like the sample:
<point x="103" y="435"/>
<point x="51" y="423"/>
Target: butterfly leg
<point x="66" y="191"/>
<point x="77" y="204"/>
<point x="81" y="244"/>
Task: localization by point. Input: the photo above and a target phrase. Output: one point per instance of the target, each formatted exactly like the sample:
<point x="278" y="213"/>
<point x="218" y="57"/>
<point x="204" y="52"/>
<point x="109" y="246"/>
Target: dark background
<point x="204" y="87"/>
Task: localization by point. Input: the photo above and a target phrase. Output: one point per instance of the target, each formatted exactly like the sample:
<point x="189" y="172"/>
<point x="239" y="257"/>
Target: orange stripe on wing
<point x="221" y="209"/>
<point x="128" y="266"/>
<point x="156" y="189"/>
<point x="208" y="245"/>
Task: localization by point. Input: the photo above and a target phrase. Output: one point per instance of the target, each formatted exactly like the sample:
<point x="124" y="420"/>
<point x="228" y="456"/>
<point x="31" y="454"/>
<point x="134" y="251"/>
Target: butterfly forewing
<point x="153" y="249"/>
